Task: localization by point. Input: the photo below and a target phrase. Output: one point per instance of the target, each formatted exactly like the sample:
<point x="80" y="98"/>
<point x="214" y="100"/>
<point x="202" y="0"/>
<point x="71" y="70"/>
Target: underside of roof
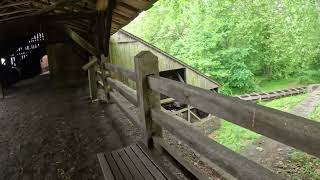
<point x="20" y="17"/>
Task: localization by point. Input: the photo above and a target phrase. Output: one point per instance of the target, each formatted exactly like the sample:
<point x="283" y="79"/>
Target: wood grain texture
<point x="287" y="128"/>
<point x="232" y="162"/>
<point x="124" y="90"/>
<point x="146" y="64"/>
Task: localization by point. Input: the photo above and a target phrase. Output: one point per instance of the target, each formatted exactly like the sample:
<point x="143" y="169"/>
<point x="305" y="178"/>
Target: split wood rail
<point x="289" y="129"/>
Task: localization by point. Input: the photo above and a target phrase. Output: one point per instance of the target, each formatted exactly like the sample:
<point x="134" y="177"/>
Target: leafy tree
<point x="233" y="41"/>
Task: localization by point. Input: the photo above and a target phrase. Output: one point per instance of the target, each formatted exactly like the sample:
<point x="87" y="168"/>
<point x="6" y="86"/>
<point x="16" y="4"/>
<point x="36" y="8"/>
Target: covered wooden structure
<point x="124" y="46"/>
<point x="78" y="30"/>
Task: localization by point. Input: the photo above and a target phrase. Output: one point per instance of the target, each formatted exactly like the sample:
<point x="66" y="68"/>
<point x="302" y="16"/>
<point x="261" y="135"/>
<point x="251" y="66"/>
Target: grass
<point x="236" y="138"/>
<point x="233" y="136"/>
<point x="316" y="114"/>
<point x="302" y="166"/>
<point x="267" y="85"/>
<point x="285" y="104"/>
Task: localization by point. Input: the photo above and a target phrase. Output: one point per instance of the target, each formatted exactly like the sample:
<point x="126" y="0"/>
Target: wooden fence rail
<point x="124" y="90"/>
<point x="289" y="129"/>
<point x="129" y="113"/>
<point x="121" y="71"/>
<point x="237" y="165"/>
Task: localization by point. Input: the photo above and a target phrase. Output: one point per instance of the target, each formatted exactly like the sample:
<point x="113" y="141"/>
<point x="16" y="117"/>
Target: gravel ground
<point x="49" y="133"/>
<point x="52" y="134"/>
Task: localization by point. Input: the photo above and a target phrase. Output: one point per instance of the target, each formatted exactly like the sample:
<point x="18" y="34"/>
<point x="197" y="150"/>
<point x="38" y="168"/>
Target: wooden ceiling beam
<point x="15" y="4"/>
<point x="16" y="12"/>
<point x="42" y="11"/>
<point x="81" y="41"/>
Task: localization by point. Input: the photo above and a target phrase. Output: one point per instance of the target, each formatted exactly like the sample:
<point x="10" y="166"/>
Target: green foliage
<point x="302" y="166"/>
<point x="236" y="137"/>
<point x="316" y="114"/>
<point x="309" y="77"/>
<point x="285" y="104"/>
<point x="268" y="85"/>
<point x="233" y="136"/>
<point x="234" y="41"/>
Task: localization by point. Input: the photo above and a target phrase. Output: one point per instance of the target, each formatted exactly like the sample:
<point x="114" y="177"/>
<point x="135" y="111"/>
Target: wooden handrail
<point x="289" y="129"/>
<point x="121" y="71"/>
<point x="232" y="162"/>
<point x="128" y="93"/>
<point x="130" y="114"/>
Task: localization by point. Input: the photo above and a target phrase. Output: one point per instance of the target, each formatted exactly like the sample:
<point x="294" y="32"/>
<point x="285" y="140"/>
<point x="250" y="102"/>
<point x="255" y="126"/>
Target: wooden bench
<point x="134" y="162"/>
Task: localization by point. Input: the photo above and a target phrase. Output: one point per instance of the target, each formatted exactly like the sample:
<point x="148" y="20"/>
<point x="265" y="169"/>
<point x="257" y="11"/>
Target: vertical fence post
<point x="92" y="80"/>
<point x="106" y="87"/>
<point x="146" y="64"/>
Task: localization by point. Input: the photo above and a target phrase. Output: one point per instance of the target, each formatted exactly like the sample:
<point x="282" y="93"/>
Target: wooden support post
<point x="189" y="114"/>
<point x="92" y="80"/>
<point x="104" y="77"/>
<point x="146" y="64"/>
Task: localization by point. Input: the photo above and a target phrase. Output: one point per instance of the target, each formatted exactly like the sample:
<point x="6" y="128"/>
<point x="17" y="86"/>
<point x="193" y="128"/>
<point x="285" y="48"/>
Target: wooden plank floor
<point x="134" y="162"/>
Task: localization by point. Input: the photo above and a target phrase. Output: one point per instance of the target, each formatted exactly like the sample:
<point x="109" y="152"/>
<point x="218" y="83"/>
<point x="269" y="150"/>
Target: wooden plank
<point x="138" y="163"/>
<point x="92" y="83"/>
<point x="90" y="64"/>
<point x="146" y="64"/>
<point x="106" y="170"/>
<point x="17" y="12"/>
<point x="52" y="7"/>
<point x="101" y="83"/>
<point x="81" y="42"/>
<point x="127" y="161"/>
<point x="154" y="159"/>
<point x="150" y="166"/>
<point x="121" y="71"/>
<point x="124" y="90"/>
<point x="123" y="168"/>
<point x="167" y="101"/>
<point x="108" y="25"/>
<point x="114" y="167"/>
<point x="15" y="4"/>
<point x="130" y="114"/>
<point x="289" y="129"/>
<point x="232" y="162"/>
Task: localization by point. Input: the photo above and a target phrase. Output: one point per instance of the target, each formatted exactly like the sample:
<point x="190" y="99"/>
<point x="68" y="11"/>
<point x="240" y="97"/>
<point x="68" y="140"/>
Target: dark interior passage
<point x="54" y="133"/>
<point x="21" y="58"/>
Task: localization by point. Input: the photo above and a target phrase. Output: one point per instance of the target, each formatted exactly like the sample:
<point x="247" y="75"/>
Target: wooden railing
<point x="289" y="129"/>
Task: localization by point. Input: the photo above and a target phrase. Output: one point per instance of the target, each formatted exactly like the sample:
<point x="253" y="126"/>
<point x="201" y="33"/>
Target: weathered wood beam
<point x="81" y="42"/>
<point x="92" y="79"/>
<point x="91" y="63"/>
<point x="102" y="5"/>
<point x="232" y="162"/>
<point x="286" y="128"/>
<point x="104" y="27"/>
<point x="127" y="92"/>
<point x="15" y="4"/>
<point x="147" y="64"/>
<point x="167" y="101"/>
<point x="41" y="11"/>
<point x="16" y="12"/>
<point x="121" y="71"/>
<point x="129" y="113"/>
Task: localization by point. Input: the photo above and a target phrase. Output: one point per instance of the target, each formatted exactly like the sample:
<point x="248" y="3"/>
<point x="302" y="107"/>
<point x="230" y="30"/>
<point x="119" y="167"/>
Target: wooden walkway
<point x="132" y="162"/>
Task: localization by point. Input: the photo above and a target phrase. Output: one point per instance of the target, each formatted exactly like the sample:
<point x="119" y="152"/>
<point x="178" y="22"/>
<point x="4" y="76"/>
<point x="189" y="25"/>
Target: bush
<point x="309" y="77"/>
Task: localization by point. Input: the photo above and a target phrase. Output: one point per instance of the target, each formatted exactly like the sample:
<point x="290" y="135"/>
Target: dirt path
<point x="48" y="133"/>
<point x="273" y="154"/>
